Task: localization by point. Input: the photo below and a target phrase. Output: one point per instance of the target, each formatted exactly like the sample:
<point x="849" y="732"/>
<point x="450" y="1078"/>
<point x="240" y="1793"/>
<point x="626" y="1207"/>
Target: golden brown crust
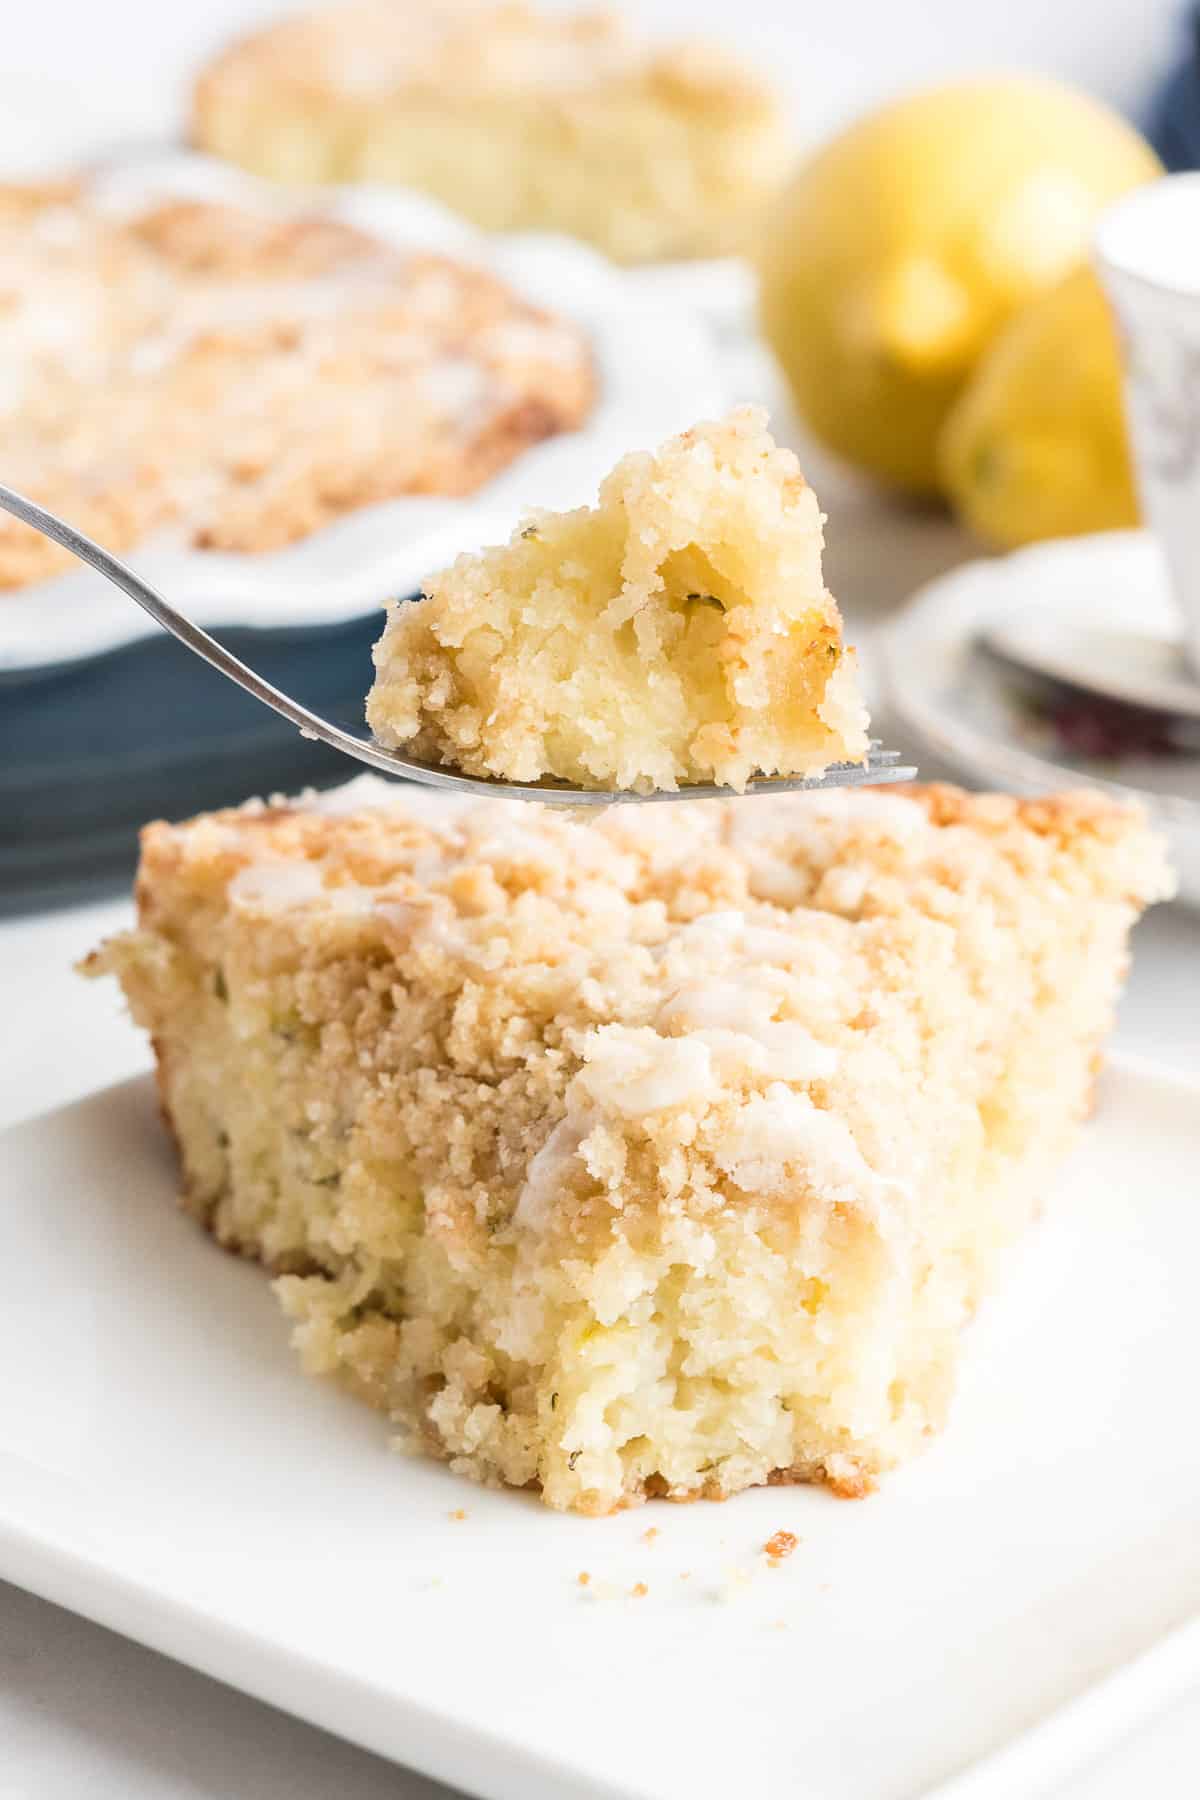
<point x="293" y="827"/>
<point x="1060" y="815"/>
<point x="209" y="239"/>
<point x="25" y="199"/>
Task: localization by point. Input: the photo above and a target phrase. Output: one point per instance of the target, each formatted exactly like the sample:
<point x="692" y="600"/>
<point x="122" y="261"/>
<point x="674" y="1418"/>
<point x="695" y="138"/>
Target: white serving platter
<point x="995" y="1615"/>
<point x="658" y="368"/>
<point x="970" y="712"/>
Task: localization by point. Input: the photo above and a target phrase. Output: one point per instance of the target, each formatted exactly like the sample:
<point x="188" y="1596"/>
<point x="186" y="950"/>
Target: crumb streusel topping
<point x="249" y="378"/>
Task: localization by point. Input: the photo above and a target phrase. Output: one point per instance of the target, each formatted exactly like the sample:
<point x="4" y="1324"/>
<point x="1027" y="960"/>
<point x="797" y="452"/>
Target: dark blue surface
<point x="90" y="751"/>
<point x="1173" y="123"/>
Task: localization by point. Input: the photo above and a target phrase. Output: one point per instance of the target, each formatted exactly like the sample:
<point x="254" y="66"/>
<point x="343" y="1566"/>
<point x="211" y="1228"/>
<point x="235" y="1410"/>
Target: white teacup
<point x="1147" y="252"/>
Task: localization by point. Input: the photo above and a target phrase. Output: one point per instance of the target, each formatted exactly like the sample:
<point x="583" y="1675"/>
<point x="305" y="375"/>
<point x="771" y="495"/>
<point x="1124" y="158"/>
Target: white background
<point x="82" y="1713"/>
<point x="124" y="64"/>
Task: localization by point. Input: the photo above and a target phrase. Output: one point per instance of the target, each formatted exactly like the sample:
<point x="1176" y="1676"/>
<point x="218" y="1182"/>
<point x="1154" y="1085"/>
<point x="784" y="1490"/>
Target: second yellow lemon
<point x="1036" y="446"/>
<point x="901" y="249"/>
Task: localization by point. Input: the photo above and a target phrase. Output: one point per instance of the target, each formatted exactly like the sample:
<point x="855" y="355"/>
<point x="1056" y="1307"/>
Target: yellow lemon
<point x="1036" y="445"/>
<point x="901" y="248"/>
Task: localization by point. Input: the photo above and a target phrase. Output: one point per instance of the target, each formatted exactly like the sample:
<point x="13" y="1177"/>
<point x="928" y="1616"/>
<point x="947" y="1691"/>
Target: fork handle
<point x="189" y="634"/>
<point x="874" y="768"/>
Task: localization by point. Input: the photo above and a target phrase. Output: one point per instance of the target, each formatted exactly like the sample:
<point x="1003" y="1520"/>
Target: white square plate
<point x="991" y="1617"/>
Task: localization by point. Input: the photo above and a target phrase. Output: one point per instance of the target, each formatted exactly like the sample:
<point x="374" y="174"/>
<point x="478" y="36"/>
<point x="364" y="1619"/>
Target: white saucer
<point x="977" y="716"/>
<point x="1133" y="667"/>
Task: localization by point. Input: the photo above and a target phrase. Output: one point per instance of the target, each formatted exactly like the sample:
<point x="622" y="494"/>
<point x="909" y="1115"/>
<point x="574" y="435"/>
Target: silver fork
<point x="879" y="766"/>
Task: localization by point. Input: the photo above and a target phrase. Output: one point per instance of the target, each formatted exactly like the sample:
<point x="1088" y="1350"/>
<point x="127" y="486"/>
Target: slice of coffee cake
<point x="657" y="1155"/>
<point x="678" y="632"/>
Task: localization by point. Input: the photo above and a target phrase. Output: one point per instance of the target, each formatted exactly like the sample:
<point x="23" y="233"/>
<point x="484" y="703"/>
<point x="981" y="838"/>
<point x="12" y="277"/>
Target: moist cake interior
<point x="678" y="632"/>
